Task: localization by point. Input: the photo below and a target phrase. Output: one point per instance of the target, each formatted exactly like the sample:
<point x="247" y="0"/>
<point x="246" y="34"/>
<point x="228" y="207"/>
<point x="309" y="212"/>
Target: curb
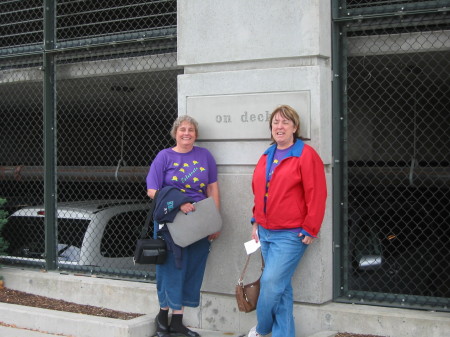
<point x="72" y="324"/>
<point x="30" y="321"/>
<point x="324" y="334"/>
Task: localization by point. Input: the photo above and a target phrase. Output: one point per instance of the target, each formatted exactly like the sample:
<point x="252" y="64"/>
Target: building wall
<point x="251" y="56"/>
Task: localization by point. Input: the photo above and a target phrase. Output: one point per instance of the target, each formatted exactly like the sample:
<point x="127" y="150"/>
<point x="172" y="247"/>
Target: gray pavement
<point x="20" y="332"/>
<point x="23" y="332"/>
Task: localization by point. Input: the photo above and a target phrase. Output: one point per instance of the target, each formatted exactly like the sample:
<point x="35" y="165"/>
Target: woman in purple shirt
<point x="192" y="170"/>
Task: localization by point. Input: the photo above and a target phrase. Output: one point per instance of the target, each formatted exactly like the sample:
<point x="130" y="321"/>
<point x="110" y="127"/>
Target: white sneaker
<point x="253" y="333"/>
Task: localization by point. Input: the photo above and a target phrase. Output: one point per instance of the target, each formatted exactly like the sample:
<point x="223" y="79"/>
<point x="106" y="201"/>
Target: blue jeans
<point x="181" y="287"/>
<point x="282" y="252"/>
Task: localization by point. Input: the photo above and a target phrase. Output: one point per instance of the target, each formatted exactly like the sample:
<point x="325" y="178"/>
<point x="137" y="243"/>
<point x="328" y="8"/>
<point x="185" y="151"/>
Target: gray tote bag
<point x="189" y="228"/>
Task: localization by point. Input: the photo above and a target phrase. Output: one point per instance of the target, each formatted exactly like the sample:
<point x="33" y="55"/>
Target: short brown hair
<point x="287" y="112"/>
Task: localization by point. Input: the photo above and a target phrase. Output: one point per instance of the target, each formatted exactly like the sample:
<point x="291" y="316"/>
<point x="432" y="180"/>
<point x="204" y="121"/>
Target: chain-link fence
<point x="115" y="100"/>
<point x="395" y="235"/>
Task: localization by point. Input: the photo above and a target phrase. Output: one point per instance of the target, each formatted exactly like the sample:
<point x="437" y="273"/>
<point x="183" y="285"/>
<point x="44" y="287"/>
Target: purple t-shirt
<point x="277" y="158"/>
<point x="190" y="172"/>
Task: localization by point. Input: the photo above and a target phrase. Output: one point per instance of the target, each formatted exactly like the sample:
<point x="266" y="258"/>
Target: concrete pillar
<point x="244" y="58"/>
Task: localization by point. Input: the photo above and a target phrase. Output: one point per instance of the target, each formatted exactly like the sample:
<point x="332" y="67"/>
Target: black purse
<point x="149" y="251"/>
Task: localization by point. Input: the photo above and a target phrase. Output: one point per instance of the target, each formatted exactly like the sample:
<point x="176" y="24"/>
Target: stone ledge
<point x="79" y="325"/>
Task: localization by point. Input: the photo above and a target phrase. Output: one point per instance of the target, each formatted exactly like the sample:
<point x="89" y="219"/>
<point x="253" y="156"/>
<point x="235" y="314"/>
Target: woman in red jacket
<point x="289" y="204"/>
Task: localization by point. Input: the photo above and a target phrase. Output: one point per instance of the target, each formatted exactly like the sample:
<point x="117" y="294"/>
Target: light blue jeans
<point x="282" y="252"/>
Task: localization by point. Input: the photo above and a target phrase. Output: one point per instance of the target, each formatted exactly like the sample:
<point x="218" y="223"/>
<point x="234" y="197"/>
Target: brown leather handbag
<point x="247" y="295"/>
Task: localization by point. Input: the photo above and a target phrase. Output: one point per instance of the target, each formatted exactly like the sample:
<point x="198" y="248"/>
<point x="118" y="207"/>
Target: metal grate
<point x="115" y="100"/>
<point x="84" y="22"/>
<point x="397" y="189"/>
<point x="82" y="19"/>
<point x="389" y="5"/>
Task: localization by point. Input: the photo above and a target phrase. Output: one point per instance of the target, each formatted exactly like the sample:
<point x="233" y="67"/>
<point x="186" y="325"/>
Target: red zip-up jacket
<point x="297" y="191"/>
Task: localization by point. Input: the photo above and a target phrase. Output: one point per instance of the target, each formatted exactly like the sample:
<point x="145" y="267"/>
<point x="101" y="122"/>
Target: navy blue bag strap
<point x="149" y="217"/>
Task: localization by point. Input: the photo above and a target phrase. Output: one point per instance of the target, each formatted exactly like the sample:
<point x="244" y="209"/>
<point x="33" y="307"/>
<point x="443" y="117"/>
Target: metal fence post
<point x="50" y="133"/>
<point x="338" y="175"/>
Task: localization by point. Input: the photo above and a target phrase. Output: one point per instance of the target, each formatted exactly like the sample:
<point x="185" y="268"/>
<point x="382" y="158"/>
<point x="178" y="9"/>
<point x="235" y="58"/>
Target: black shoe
<point x="162" y="334"/>
<point x="186" y="332"/>
<point x="161" y="330"/>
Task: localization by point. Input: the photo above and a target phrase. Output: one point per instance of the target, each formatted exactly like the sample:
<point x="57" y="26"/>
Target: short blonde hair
<point x="180" y="120"/>
<point x="287" y="112"/>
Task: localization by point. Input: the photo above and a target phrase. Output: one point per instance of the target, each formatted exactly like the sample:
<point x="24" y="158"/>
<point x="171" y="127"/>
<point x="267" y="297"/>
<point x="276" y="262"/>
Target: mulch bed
<point x="31" y="300"/>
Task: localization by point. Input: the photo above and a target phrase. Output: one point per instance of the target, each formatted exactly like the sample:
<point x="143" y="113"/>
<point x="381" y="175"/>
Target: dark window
<point x="121" y="233"/>
<point x="26" y="235"/>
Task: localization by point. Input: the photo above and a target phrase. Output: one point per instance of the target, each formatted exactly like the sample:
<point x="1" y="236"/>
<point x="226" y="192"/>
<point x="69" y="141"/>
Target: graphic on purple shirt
<point x="277" y="158"/>
<point x="190" y="172"/>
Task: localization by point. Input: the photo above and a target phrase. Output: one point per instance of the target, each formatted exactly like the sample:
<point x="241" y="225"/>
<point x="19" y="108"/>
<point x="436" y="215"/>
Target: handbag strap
<point x="241" y="278"/>
<point x="149" y="217"/>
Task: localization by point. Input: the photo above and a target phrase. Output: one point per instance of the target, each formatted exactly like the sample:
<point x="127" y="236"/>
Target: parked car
<point x="100" y="233"/>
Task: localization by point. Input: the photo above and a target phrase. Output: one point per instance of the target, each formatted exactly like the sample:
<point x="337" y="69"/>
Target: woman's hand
<point x="213" y="236"/>
<point x="255" y="232"/>
<point x="187" y="207"/>
<point x="307" y="240"/>
<point x="151" y="193"/>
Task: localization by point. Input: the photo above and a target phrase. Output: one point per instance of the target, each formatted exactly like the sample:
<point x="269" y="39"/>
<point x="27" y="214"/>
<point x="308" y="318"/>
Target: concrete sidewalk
<point x="22" y="332"/>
